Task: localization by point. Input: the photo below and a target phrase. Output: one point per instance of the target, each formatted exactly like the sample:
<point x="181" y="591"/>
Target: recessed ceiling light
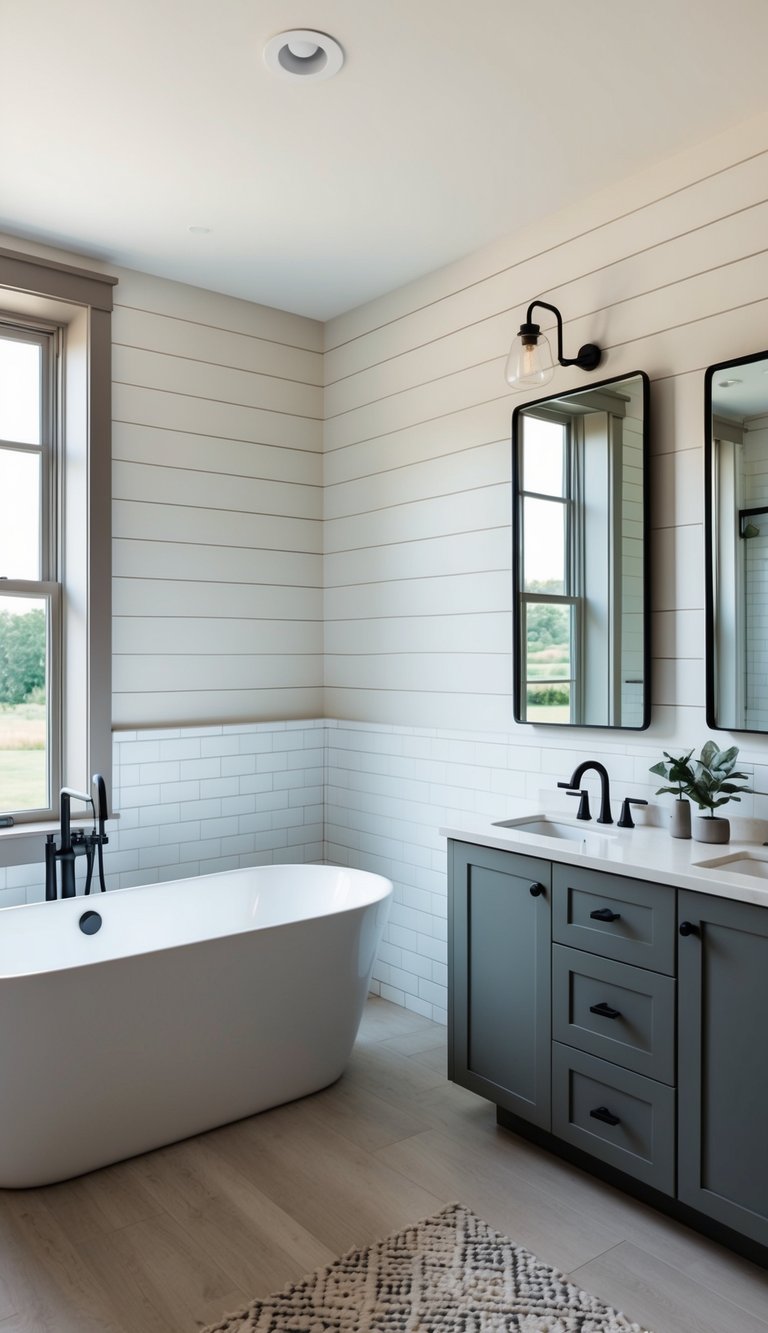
<point x="726" y="384"/>
<point x="199" y="231"/>
<point x="302" y="53"/>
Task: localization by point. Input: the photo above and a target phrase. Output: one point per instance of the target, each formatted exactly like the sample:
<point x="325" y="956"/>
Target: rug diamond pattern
<point x="449" y="1274"/>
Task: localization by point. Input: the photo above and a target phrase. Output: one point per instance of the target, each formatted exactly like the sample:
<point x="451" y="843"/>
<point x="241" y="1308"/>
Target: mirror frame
<point x="518" y="683"/>
<point x="709" y="548"/>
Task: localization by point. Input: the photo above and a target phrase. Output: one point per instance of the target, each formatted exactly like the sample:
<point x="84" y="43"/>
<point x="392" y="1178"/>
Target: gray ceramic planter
<point x="680" y="819"/>
<point x="706" y="829"/>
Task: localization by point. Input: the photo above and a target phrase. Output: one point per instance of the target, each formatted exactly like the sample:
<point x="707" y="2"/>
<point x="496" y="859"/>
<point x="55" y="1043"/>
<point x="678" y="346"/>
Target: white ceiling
<point x="452" y="122"/>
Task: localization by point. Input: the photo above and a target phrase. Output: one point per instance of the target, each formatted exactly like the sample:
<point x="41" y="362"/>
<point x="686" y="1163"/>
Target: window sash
<point x="52" y="595"/>
<point x="45" y="337"/>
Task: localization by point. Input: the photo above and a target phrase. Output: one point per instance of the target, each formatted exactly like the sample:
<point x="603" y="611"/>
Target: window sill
<point x="24" y="844"/>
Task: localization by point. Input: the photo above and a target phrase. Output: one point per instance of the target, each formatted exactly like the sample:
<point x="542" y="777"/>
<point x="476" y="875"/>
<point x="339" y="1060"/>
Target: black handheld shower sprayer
<point x="90" y="845"/>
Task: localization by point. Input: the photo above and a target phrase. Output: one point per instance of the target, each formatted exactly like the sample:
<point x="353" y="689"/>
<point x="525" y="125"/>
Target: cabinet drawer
<point x="620" y="1013"/>
<point x="616" y="1115"/>
<point x="621" y="918"/>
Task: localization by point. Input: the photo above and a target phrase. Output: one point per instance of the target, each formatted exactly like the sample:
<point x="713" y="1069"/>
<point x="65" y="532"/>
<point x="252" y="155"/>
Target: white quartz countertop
<point x="641" y="853"/>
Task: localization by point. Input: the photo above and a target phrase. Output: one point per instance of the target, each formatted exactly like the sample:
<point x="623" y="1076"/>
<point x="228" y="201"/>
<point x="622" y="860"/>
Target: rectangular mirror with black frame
<point x="580" y="557"/>
<point x="736" y="543"/>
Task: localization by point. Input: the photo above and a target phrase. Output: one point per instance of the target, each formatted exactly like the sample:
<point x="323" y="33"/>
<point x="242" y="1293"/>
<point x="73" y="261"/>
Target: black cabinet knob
<point x="688" y="928"/>
<point x="536" y="890"/>
<point x="607" y="1117"/>
<point x="605" y="914"/>
<point x="604" y="1010"/>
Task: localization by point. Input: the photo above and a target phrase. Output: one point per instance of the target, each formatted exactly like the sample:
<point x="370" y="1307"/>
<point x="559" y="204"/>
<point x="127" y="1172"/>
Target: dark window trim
<point x="62" y="282"/>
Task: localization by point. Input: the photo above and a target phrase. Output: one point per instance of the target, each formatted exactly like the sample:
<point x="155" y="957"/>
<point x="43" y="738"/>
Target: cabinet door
<point x="500" y="956"/>
<point x="723" y="1061"/>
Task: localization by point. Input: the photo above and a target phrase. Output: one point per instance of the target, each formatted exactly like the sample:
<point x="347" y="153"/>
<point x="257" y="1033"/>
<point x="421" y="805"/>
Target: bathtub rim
<point x="384" y="896"/>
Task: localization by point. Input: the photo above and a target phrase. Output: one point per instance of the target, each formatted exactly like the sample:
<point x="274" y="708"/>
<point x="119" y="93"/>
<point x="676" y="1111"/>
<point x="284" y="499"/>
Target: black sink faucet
<point x="605" y="816"/>
<point x="77" y="843"/>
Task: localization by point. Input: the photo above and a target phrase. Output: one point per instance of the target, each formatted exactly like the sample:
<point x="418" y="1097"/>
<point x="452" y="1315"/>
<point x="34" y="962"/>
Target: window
<point x="30" y="674"/>
<point x="55" y="681"/>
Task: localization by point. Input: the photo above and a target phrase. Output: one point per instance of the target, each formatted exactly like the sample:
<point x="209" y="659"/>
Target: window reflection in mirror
<point x="736" y="532"/>
<point x="580" y="558"/>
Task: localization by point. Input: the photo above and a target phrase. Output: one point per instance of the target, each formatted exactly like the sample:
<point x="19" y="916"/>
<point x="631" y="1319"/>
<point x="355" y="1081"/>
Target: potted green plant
<point x="714" y="784"/>
<point x="677" y="771"/>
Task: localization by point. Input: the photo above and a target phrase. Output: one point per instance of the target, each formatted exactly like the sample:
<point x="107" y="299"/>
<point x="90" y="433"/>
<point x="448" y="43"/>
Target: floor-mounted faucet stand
<point x="90" y="845"/>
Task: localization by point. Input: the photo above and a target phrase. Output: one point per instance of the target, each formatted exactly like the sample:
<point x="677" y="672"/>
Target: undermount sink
<point x="740" y="863"/>
<point x="543" y="827"/>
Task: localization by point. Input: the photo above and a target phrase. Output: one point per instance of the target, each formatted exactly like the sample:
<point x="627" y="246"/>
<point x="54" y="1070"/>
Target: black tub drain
<point x="90" y="922"/>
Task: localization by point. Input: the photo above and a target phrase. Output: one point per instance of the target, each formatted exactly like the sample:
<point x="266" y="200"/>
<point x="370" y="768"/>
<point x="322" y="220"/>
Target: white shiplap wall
<point x="217" y="508"/>
<point x="217" y="408"/>
<point x="669" y="273"/>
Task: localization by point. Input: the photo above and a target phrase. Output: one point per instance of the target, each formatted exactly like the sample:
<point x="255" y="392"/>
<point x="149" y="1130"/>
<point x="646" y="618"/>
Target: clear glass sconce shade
<point x="529" y="365"/>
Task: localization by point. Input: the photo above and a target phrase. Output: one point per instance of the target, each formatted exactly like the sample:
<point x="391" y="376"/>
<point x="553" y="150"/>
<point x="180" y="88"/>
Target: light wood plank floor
<point x="168" y="1242"/>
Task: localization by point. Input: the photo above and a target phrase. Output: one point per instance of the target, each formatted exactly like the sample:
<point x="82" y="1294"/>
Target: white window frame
<point x="47" y="586"/>
<point x="78" y="303"/>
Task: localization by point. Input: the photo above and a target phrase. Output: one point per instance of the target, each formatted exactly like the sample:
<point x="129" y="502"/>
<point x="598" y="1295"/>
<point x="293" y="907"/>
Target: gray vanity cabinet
<point x="723" y="1061"/>
<point x="567" y="989"/>
<point x="500" y="951"/>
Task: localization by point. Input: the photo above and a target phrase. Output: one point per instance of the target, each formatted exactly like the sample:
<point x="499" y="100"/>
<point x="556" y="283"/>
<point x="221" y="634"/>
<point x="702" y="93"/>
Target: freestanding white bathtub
<point x="198" y="1002"/>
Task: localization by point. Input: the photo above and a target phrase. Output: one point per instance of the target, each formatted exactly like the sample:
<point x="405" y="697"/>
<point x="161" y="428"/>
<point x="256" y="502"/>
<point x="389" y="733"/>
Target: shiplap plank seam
<point x="220" y="328"/>
<point x="243" y="476"/>
<point x="205" y="435"/>
<point x="416" y="462"/>
<point x="225" y="402"/>
<point x="217" y="365"/>
<point x="229" y="546"/>
<point x="254" y="583"/>
<point x="212" y="509"/>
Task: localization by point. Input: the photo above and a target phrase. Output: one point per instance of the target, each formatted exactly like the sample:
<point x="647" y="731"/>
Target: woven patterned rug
<point x="450" y="1274"/>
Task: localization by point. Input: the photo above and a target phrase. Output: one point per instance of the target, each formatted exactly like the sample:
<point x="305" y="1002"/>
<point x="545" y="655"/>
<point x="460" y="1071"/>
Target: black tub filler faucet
<point x="90" y="845"/>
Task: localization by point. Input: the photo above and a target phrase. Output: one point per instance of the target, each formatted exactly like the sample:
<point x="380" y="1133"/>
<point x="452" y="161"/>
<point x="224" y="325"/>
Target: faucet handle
<point x="99" y="801"/>
<point x="583" y="810"/>
<point x="625" y="818"/>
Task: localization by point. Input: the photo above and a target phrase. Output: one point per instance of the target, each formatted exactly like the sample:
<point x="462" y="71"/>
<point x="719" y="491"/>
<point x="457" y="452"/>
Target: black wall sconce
<point x="530" y="363"/>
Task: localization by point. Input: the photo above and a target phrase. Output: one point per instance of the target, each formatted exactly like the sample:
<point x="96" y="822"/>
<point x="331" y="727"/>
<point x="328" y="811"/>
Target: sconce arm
<point x="590" y="354"/>
<point x="533" y="330"/>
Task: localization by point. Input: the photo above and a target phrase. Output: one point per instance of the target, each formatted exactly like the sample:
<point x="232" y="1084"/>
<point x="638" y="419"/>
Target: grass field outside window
<point x="22" y="756"/>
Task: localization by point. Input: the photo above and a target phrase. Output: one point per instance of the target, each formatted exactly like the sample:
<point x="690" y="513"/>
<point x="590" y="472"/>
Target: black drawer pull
<point x="604" y="1010"/>
<point x="688" y="928"/>
<point x="536" y="890"/>
<point x="607" y="1117"/>
<point x="605" y="914"/>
